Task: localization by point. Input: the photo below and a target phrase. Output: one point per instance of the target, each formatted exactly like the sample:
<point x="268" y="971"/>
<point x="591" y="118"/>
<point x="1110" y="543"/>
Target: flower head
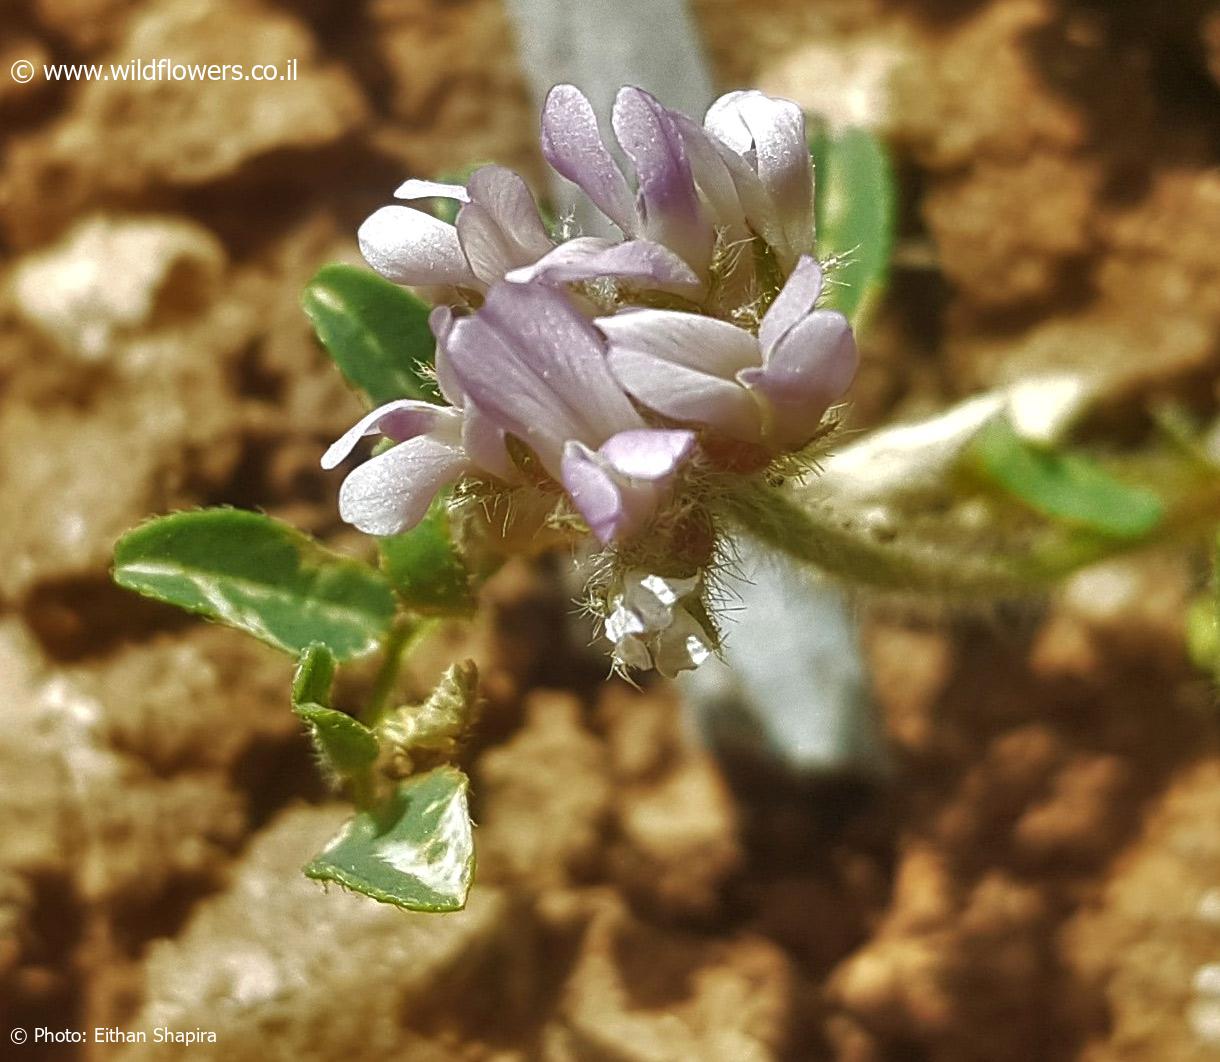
<point x="631" y="381"/>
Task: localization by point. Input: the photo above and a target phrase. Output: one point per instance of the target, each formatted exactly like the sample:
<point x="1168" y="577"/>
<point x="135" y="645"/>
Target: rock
<point x="544" y="798"/>
<point x="1146" y="943"/>
<point x="365" y="981"/>
<point x="641" y="993"/>
<point x="676" y="842"/>
<point x="111" y="277"/>
<point x="188" y="132"/>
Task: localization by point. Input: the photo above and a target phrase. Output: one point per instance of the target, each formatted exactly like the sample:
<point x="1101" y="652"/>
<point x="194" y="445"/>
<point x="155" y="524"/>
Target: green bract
<point x="261" y="576"/>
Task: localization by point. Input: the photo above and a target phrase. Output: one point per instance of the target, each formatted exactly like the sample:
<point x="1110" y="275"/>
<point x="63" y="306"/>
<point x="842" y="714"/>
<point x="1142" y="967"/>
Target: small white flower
<point x="650" y="625"/>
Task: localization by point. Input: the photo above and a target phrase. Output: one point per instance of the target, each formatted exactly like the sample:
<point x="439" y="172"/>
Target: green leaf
<point x="345" y="745"/>
<point x="1067" y="487"/>
<point x="376" y="332"/>
<point x="260" y="576"/>
<point x="416" y="850"/>
<point x="314" y="675"/>
<point x="424" y="565"/>
<point x="854" y="206"/>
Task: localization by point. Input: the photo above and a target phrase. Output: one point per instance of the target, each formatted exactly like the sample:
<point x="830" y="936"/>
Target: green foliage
<point x="1066" y="487"/>
<point x="376" y="332"/>
<point x="416" y="850"/>
<point x="314" y="676"/>
<point x="854" y="206"/>
<point x="260" y="576"/>
<point x="345" y="746"/>
<point x="424" y="565"/>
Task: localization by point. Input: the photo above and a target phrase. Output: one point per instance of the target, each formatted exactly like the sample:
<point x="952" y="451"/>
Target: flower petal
<point x="401" y="419"/>
<point x="683" y="366"/>
<point x="509" y="201"/>
<point x="589" y="257"/>
<point x="392" y="491"/>
<point x="809" y="369"/>
<point x="573" y="145"/>
<point x="488" y="249"/>
<point x="671" y="210"/>
<point x="793" y="303"/>
<point x="614" y="508"/>
<point x="682" y="646"/>
<point x="408" y="246"/>
<point x="647" y="453"/>
<point x="537" y="367"/>
<point x="690" y="339"/>
<point x="440" y="320"/>
<point x="417" y="189"/>
<point x="769" y="135"/>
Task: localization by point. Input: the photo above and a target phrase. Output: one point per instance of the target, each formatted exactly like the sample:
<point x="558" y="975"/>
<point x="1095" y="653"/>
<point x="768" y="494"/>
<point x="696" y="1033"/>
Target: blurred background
<point x="1038" y="874"/>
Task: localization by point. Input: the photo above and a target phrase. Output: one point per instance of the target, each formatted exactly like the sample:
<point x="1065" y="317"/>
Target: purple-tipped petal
<point x="648" y="453"/>
<point x="793" y="303"/>
<point x="670" y="207"/>
<point x="713" y="179"/>
<point x="417" y="189"/>
<point x="508" y="200"/>
<point x="589" y="257"/>
<point x="408" y="246"/>
<point x="808" y="370"/>
<point x="573" y="145"/>
<point x="401" y="419"/>
<point x="614" y="507"/>
<point x="594" y="492"/>
<point x="537" y="368"/>
<point x="392" y="491"/>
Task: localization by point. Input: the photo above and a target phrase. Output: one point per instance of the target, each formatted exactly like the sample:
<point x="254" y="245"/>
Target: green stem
<point x="845" y="546"/>
<point x="400" y="637"/>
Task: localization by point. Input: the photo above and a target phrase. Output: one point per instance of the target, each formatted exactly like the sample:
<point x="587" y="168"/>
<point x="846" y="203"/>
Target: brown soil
<point x="1036" y="880"/>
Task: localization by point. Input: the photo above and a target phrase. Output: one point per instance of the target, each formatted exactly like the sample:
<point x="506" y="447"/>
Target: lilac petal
<point x="687" y="394"/>
<point x="793" y="303"/>
<point x="416" y="189"/>
<point x="488" y="249"/>
<point x="671" y="209"/>
<point x="483" y="441"/>
<point x="408" y="246"/>
<point x="509" y="201"/>
<point x="392" y="491"/>
<point x="770" y="134"/>
<point x="613" y="508"/>
<point x="713" y="179"/>
<point x="647" y="453"/>
<point x="440" y="320"/>
<point x="682" y="365"/>
<point x="573" y="145"/>
<point x="589" y="257"/>
<point x="401" y="419"/>
<point x="724" y="120"/>
<point x="537" y="367"/>
<point x="593" y="491"/>
<point x="810" y="368"/>
<point x="703" y="343"/>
